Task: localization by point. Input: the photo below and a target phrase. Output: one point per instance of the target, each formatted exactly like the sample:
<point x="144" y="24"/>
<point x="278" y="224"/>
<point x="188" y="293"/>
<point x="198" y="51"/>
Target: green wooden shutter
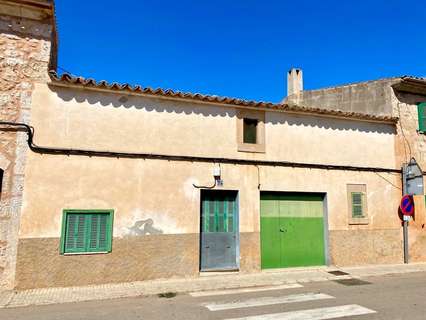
<point x="80" y="233"/>
<point x="86" y="232"/>
<point x="70" y="227"/>
<point x="75" y="233"/>
<point x="357" y="204"/>
<point x="103" y="232"/>
<point x="98" y="232"/>
<point x="93" y="233"/>
<point x="421" y="111"/>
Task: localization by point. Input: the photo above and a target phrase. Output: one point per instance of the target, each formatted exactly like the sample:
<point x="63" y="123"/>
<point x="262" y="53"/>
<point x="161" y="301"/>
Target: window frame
<point x="109" y="231"/>
<point x="358" y="189"/>
<point x="259" y="146"/>
<point x="421" y="110"/>
<point x="247" y="122"/>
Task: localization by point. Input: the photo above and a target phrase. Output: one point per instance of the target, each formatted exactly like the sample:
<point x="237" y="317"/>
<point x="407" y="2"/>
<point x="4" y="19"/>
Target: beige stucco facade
<point x="176" y="142"/>
<point x="162" y="190"/>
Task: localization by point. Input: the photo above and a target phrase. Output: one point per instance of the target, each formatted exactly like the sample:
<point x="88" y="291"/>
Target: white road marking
<point x="265" y="301"/>
<point x="314" y="314"/>
<point x="244" y="290"/>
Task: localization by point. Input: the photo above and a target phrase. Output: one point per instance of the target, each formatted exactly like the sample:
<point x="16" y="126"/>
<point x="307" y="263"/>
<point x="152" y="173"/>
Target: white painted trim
<point x="267" y="301"/>
<point x="244" y="290"/>
<point x="314" y="314"/>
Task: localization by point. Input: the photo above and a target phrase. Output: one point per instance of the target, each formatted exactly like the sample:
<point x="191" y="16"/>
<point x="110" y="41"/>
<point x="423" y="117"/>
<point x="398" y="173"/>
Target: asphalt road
<point x="386" y="297"/>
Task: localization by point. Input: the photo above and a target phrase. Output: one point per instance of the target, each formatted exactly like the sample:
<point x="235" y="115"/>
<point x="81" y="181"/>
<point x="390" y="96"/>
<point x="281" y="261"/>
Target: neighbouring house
<point x="400" y="97"/>
<point x="106" y="182"/>
<point x="27" y="52"/>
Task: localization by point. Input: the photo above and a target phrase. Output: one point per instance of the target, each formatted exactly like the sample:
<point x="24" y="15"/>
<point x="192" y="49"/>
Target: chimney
<point x="294" y="81"/>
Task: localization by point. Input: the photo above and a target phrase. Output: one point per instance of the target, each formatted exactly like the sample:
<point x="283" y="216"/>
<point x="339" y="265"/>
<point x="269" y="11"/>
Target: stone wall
<point x="132" y="259"/>
<point x="364" y="246"/>
<point x="411" y="142"/>
<point x="24" y="59"/>
<point x="371" y="97"/>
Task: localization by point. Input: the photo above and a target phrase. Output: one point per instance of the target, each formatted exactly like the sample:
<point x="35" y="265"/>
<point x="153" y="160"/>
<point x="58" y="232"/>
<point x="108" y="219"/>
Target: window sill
<point x="358" y="221"/>
<point x="83" y="253"/>
<point x="251" y="147"/>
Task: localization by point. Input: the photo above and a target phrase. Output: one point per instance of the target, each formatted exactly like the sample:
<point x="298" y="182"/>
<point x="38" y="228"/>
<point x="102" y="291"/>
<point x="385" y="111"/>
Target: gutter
<point x="29" y="130"/>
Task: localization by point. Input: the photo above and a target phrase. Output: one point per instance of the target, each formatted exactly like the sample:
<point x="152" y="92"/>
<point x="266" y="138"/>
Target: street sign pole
<point x="405" y="218"/>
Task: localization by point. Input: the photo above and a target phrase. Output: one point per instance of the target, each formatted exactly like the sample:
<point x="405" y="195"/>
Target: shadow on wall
<point x="409" y="98"/>
<point x="152" y="104"/>
<point x="332" y="123"/>
<point x="144" y="227"/>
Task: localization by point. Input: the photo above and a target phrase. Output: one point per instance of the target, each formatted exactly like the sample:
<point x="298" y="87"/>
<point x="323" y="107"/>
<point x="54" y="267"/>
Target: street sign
<point x="407" y="205"/>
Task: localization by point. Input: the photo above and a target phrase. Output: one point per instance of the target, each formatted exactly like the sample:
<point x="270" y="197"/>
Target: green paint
<point x="218" y="213"/>
<point x="421" y="112"/>
<point x="86" y="231"/>
<point x="357" y="207"/>
<point x="301" y="218"/>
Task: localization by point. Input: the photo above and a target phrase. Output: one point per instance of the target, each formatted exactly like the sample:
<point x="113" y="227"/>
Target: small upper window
<point x="357" y="205"/>
<point x="421" y="112"/>
<point x="250" y="130"/>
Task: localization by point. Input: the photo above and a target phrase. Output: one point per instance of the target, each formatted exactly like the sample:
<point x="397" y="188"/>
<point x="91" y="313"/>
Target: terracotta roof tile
<point x="67" y="78"/>
<point x="413" y="78"/>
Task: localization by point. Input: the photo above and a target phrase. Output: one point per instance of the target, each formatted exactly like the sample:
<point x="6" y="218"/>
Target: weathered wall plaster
<point x="24" y="57"/>
<point x="156" y="199"/>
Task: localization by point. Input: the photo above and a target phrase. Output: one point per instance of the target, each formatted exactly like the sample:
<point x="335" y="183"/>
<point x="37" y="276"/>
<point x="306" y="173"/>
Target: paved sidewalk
<point x="10" y="299"/>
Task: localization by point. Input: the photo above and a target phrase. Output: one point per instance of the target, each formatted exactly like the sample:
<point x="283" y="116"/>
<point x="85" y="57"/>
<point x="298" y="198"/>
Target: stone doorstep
<point x="44" y="296"/>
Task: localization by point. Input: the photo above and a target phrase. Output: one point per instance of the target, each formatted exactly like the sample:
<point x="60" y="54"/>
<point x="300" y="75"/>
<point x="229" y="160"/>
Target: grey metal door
<point x="219" y="230"/>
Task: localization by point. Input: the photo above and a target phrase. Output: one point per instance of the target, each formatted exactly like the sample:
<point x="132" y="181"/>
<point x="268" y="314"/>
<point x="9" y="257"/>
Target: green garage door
<point x="292" y="230"/>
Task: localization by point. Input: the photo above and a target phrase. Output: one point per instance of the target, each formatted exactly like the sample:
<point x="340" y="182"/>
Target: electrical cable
<point x="205" y="187"/>
<point x="393" y="185"/>
<point x="114" y="154"/>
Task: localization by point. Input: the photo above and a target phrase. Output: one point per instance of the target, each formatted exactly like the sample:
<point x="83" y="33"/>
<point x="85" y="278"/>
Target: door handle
<point x="207" y="247"/>
<point x="228" y="247"/>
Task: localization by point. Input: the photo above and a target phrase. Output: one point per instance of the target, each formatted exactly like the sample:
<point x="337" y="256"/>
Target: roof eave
<point x="411" y="85"/>
<point x="67" y="80"/>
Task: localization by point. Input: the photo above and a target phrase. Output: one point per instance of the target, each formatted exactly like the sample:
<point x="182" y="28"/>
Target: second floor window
<point x="250" y="130"/>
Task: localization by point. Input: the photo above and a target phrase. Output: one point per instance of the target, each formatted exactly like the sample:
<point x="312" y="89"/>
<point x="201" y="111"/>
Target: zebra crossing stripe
<point x="314" y="314"/>
<point x="244" y="290"/>
<point x="265" y="301"/>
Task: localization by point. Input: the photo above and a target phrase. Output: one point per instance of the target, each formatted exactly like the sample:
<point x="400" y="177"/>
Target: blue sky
<point x="241" y="48"/>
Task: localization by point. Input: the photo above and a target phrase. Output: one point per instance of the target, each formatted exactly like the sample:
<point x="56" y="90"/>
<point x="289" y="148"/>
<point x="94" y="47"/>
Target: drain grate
<point x="167" y="295"/>
<point x="338" y="273"/>
<point x="352" y="282"/>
